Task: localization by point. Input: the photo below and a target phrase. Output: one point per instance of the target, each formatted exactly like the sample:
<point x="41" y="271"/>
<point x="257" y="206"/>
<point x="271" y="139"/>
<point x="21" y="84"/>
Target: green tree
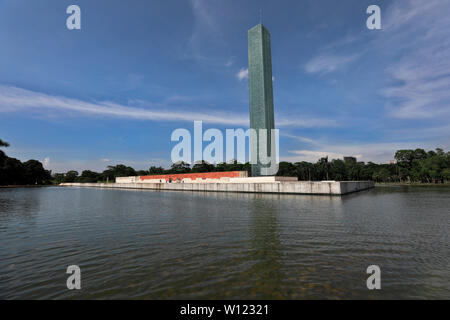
<point x="155" y="170"/>
<point x="409" y="163"/>
<point x="367" y="171"/>
<point x="119" y="170"/>
<point x="305" y="171"/>
<point x="286" y="169"/>
<point x="89" y="176"/>
<point x="202" y="166"/>
<point x="2" y="155"/>
<point x="404" y="161"/>
<point x="58" y="178"/>
<point x="34" y="173"/>
<point x="323" y="168"/>
<point x="338" y="170"/>
<point x="70" y="176"/>
<point x="12" y="172"/>
<point x="180" y="167"/>
<point x="381" y="175"/>
<point x="446" y="174"/>
<point x="232" y="165"/>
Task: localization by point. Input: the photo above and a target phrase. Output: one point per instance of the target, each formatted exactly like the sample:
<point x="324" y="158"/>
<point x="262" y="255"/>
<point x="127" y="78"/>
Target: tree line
<point x="15" y="172"/>
<point x="121" y="170"/>
<point x="411" y="166"/>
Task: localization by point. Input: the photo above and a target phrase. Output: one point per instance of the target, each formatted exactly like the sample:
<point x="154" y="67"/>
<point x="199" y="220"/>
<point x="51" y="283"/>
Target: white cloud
<point x="17" y="99"/>
<point x="242" y="74"/>
<point x="299" y="138"/>
<point x="375" y="152"/>
<point x="440" y="132"/>
<point x="326" y="63"/>
<point x="420" y="32"/>
<point x="230" y="62"/>
<point x="13" y="99"/>
<point x="417" y="36"/>
<point x="204" y="13"/>
<point x="205" y="44"/>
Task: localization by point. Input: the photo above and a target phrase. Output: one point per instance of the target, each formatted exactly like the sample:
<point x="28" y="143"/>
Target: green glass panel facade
<point x="260" y="87"/>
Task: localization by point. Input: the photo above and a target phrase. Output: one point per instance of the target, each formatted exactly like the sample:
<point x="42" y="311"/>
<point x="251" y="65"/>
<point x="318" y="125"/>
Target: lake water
<point x="182" y="245"/>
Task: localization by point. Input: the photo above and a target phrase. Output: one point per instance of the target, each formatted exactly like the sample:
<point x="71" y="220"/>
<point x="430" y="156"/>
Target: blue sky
<point x="114" y="91"/>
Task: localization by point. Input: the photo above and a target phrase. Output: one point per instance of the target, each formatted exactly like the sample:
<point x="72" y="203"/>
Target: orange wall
<point x="193" y="176"/>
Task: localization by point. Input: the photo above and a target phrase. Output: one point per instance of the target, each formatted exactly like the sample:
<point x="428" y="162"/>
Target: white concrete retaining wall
<point x="127" y="179"/>
<point x="300" y="187"/>
<point x="268" y="179"/>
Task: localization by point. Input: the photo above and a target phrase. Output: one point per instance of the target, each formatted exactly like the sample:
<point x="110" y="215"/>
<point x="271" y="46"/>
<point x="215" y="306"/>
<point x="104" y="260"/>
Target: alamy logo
<point x="264" y="147"/>
<point x="374" y="20"/>
<point x="374" y="281"/>
<point x="73" y="22"/>
<point x="74" y="281"/>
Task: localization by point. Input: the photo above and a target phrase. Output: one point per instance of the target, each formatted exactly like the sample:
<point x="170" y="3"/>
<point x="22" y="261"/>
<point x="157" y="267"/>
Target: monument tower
<point x="261" y="92"/>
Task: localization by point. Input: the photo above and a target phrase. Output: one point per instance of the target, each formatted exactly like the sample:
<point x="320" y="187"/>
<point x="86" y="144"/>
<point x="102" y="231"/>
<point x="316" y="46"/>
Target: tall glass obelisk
<point x="261" y="92"/>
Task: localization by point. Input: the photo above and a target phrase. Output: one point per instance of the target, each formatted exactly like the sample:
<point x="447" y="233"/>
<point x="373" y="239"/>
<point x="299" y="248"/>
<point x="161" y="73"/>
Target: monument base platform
<point x="281" y="187"/>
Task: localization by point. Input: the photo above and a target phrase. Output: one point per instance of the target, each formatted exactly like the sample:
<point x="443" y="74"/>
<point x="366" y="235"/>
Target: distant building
<point x="349" y="159"/>
<point x="392" y="162"/>
<point x="361" y="163"/>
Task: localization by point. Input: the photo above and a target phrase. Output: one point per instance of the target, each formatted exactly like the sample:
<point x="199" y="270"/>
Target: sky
<point x="114" y="91"/>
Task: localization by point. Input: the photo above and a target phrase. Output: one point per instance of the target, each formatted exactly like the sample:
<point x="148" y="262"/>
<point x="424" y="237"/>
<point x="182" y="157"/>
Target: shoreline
<point x="399" y="184"/>
<point x="376" y="184"/>
<point x="26" y="186"/>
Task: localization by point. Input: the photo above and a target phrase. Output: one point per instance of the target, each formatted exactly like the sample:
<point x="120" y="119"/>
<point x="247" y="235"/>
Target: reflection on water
<point x="180" y="245"/>
<point x="265" y="274"/>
